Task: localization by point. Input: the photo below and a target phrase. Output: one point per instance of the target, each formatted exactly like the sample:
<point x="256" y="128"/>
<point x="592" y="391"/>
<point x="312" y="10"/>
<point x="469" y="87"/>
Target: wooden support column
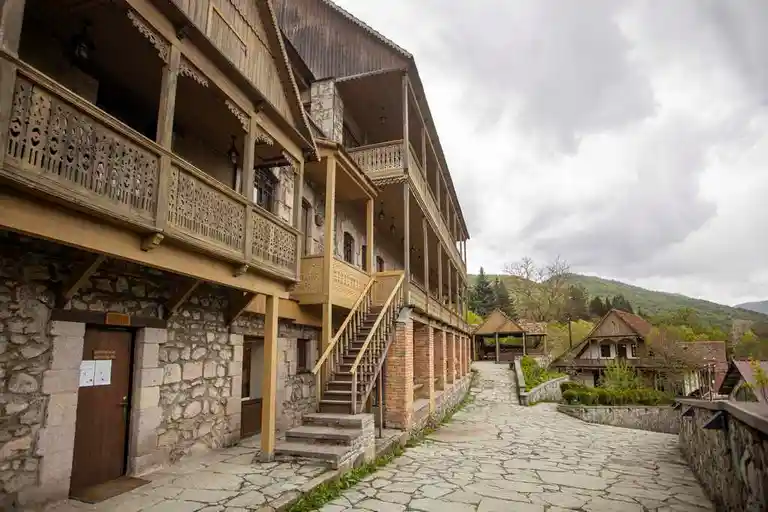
<point x="497" y="347"/>
<point x="406" y="152"/>
<point x="437" y="190"/>
<point x="450" y="294"/>
<point x="269" y="382"/>
<point x="457" y="293"/>
<point x="407" y="237"/>
<point x="11" y="19"/>
<point x="369" y="236"/>
<point x="164" y="136"/>
<point x="426" y="258"/>
<point x="298" y="195"/>
<point x="330" y="244"/>
<point x="424" y="152"/>
<point x="249" y="161"/>
<point x="440" y="273"/>
<point x="524" y="343"/>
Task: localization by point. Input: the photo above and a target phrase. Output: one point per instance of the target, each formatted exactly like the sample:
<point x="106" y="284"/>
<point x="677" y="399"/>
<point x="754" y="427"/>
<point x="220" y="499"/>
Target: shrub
<point x="603" y="396"/>
<point x="534" y="374"/>
<point x="568" y="385"/>
<point x="619" y="375"/>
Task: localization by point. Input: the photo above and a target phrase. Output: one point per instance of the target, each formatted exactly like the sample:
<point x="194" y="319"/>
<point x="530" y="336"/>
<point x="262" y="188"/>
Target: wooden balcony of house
<point x="430" y="306"/>
<point x="386" y="160"/>
<point x="347" y="282"/>
<point x="66" y="149"/>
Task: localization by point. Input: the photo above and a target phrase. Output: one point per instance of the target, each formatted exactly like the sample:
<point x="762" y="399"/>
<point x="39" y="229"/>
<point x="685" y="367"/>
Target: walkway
<point x="498" y="456"/>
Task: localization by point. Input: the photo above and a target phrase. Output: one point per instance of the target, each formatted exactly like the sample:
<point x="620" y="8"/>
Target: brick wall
<point x="439" y="358"/>
<point x="450" y="357"/>
<point x="398" y="386"/>
<point x="423" y="360"/>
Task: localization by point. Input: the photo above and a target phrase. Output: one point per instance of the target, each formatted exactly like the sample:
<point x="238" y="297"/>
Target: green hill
<point x="654" y="302"/>
<point x="760" y="307"/>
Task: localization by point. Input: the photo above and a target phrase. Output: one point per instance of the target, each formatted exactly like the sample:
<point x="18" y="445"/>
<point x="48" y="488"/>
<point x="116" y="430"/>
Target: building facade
<point x="187" y="238"/>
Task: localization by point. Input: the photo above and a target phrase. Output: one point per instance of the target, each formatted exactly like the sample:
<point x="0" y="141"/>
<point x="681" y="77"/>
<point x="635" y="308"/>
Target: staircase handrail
<point x="350" y="316"/>
<point x="392" y="294"/>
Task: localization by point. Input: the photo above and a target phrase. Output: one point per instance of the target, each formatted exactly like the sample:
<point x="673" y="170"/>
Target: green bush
<point x="534" y="374"/>
<point x="603" y="396"/>
<point x="568" y="385"/>
<point x="571" y="396"/>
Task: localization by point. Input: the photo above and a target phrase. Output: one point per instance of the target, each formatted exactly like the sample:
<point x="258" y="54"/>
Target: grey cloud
<point x="559" y="70"/>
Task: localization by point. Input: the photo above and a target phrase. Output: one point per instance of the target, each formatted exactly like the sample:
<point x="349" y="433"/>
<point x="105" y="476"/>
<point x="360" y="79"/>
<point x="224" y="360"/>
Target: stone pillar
<point x="439" y="358"/>
<point x="398" y="384"/>
<point x="144" y="451"/>
<point x="327" y="109"/>
<point x="56" y="440"/>
<point x="423" y="362"/>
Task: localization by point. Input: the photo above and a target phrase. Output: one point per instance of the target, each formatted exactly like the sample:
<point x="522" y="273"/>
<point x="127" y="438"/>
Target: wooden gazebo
<point x="496" y="325"/>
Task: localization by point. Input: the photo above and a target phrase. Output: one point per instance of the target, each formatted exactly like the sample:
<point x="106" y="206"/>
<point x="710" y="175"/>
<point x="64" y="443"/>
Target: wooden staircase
<point x="347" y="371"/>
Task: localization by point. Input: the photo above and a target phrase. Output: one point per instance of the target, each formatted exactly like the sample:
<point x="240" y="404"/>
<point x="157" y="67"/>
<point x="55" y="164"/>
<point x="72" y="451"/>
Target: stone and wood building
<point x="213" y="226"/>
<point x="680" y="367"/>
<point x="739" y="382"/>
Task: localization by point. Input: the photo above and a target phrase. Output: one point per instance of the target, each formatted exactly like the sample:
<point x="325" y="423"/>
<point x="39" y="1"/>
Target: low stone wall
<point x="663" y="419"/>
<point x="730" y="459"/>
<point x="546" y="392"/>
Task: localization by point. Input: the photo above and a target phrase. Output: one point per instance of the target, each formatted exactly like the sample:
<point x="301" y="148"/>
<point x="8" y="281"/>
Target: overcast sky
<point x="629" y="137"/>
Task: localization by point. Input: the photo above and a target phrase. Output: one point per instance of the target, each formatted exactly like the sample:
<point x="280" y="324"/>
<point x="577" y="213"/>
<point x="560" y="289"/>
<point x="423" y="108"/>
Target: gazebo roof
<point x="498" y="323"/>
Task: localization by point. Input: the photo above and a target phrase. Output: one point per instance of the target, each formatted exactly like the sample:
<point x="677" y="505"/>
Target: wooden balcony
<point x="383" y="160"/>
<point x="65" y="148"/>
<point x="430" y="306"/>
<point x="348" y="282"/>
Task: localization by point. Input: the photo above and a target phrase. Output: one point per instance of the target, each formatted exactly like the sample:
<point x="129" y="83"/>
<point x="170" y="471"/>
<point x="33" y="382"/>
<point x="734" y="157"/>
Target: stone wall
<point x="545" y="392"/>
<point x="653" y="418"/>
<point x="295" y="389"/>
<point x="731" y="463"/>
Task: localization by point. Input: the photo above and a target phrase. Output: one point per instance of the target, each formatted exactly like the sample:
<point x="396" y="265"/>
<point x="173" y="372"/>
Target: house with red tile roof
<point x="740" y="382"/>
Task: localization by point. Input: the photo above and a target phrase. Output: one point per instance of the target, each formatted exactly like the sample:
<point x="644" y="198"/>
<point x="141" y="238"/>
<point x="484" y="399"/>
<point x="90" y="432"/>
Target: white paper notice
<point x="87" y="371"/>
<point x="103" y="373"/>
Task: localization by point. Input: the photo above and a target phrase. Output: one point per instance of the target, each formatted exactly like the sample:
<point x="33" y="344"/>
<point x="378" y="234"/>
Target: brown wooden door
<point x="102" y="411"/>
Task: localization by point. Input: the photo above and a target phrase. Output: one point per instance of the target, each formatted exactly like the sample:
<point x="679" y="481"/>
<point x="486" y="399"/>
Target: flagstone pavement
<point x="496" y="456"/>
<point x="493" y="456"/>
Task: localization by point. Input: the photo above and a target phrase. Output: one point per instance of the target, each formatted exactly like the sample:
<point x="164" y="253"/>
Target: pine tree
<point x="621" y="303"/>
<point x="482" y="299"/>
<point x="607" y="305"/>
<point x="503" y="300"/>
<point x="597" y="307"/>
<point x="576" y="303"/>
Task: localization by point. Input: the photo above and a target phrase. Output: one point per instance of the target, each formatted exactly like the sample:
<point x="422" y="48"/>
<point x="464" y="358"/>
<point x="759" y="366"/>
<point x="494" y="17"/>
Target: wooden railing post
<point x="249" y="158"/>
<point x="11" y="19"/>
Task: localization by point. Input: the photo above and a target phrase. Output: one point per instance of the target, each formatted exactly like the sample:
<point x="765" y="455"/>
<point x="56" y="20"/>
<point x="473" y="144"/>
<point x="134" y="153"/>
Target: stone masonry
<point x="655" y="419"/>
<point x="186" y="382"/>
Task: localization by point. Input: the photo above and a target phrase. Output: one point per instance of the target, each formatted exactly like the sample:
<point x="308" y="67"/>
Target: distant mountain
<point x="760" y="306"/>
<point x="652" y="302"/>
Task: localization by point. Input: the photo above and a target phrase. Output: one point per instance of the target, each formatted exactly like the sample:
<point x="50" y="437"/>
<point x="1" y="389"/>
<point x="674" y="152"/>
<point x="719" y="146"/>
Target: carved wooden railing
<point x="62" y="145"/>
<point x="348" y="282"/>
<point x="417" y="295"/>
<point x="378" y="157"/>
<point x="371" y="357"/>
<point x="340" y="344"/>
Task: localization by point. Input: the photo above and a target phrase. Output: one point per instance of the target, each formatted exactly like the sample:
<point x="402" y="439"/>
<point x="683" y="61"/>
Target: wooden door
<point x="102" y="409"/>
<point x="250" y="417"/>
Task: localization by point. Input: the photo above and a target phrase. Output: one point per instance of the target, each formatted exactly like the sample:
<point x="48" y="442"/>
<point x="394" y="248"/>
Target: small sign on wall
<point x="95" y="373"/>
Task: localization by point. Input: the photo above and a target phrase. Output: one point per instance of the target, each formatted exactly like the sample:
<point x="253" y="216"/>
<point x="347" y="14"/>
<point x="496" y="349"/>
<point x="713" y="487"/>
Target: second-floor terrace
<point x="148" y="120"/>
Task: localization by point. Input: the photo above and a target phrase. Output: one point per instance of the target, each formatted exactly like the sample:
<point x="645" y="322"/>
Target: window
<point x="379" y="264"/>
<point x="364" y="256"/>
<point x="264" y="186"/>
<point x="349" y="248"/>
<point x="302" y="355"/>
<point x="633" y="350"/>
<point x="605" y="350"/>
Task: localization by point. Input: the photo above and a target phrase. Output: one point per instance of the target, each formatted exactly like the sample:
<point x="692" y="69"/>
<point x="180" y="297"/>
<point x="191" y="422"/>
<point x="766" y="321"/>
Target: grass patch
<point x="329" y="491"/>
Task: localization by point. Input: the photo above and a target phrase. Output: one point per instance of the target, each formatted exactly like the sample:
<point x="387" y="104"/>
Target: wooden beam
<point x="369" y="235"/>
<point x="269" y="382"/>
<point x="407" y="236"/>
<point x="180" y="297"/>
<point x="406" y="141"/>
<point x="238" y="303"/>
<point x="164" y="137"/>
<point x="78" y="278"/>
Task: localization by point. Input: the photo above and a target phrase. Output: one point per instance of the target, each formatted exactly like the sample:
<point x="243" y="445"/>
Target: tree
<point x="503" y="300"/>
<point x="597" y="307"/>
<point x="482" y="300"/>
<point x="576" y="303"/>
<point x="667" y="355"/>
<point x="541" y="291"/>
<point x="621" y="303"/>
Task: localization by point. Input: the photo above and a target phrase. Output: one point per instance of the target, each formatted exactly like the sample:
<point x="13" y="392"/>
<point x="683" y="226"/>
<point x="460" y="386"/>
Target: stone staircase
<point x="340" y="433"/>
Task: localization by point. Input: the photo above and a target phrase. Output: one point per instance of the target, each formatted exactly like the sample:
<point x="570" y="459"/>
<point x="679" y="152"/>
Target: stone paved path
<point x="498" y="456"/>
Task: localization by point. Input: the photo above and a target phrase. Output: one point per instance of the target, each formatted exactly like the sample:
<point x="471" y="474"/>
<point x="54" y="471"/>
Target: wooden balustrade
<point x="378" y="157"/>
<point x="65" y="147"/>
